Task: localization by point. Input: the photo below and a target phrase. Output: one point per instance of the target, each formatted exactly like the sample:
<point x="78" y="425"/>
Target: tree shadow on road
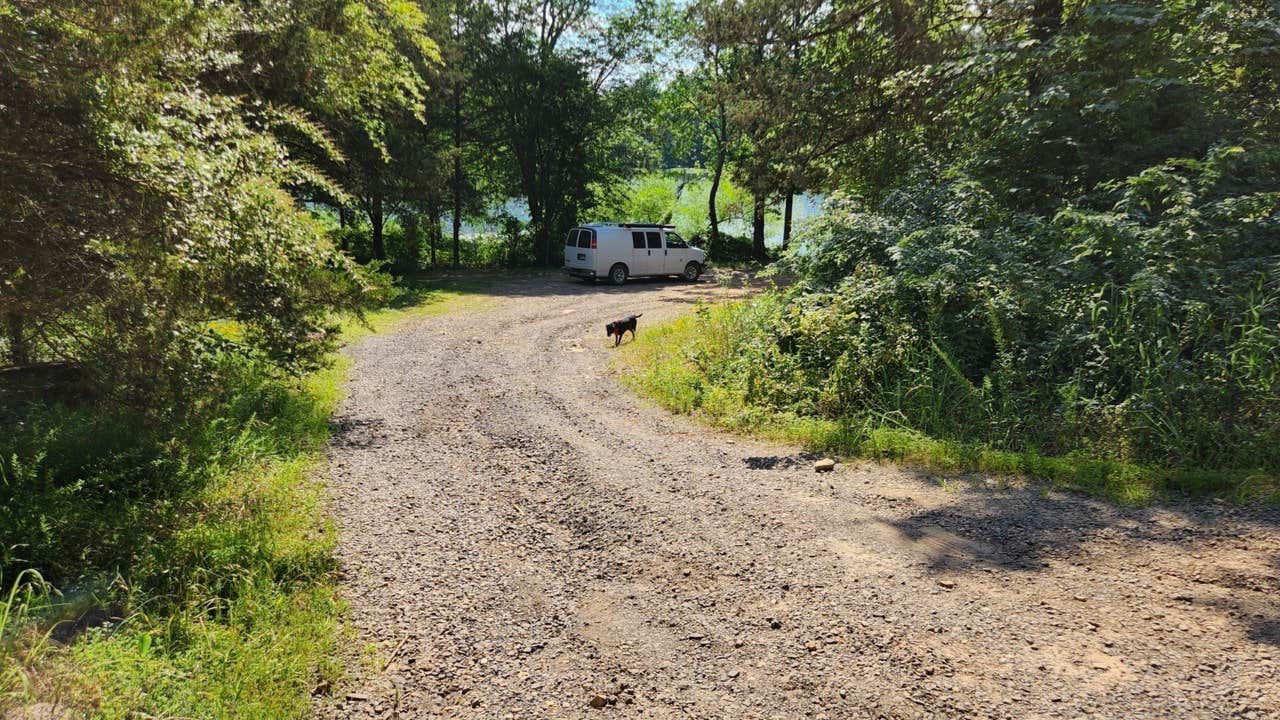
<point x="1029" y="529"/>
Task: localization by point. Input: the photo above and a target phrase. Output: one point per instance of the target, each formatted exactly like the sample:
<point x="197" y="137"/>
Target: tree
<point x="150" y="183"/>
<point x="546" y="101"/>
<point x="712" y="83"/>
<point x="467" y="29"/>
<point x="1065" y="212"/>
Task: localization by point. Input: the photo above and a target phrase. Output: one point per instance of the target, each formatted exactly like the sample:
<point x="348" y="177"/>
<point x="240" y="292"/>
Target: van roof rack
<point x="667" y="226"/>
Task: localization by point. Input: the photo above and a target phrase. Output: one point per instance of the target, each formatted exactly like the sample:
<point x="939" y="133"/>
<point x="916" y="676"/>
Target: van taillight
<point x="593" y="242"/>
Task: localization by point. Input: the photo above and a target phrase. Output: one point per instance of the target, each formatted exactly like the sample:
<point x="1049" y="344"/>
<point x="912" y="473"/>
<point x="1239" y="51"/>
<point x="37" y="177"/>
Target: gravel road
<point x="521" y="537"/>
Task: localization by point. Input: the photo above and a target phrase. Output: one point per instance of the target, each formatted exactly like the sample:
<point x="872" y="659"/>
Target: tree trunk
<point x="537" y="220"/>
<point x="457" y="173"/>
<point x="786" y="220"/>
<point x="758" y="250"/>
<point x="1046" y="22"/>
<point x="433" y="230"/>
<point x="377" y="219"/>
<point x="1046" y="19"/>
<point x="344" y="219"/>
<point x="412" y="243"/>
<point x="552" y="212"/>
<point x="548" y="212"/>
<point x="715" y="180"/>
<point x="513" y="247"/>
<point x="15" y="333"/>
<point x="437" y="239"/>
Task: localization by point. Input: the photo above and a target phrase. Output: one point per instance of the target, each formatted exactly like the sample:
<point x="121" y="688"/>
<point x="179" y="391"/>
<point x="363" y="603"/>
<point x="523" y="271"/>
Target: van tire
<point x="691" y="271"/>
<point x="618" y="274"/>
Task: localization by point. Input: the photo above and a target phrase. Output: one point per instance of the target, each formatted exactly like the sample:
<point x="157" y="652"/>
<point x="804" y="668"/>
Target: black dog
<point x="617" y="327"/>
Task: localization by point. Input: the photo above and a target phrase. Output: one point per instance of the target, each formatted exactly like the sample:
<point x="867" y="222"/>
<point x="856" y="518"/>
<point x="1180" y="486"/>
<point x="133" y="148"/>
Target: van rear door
<point x="579" y="249"/>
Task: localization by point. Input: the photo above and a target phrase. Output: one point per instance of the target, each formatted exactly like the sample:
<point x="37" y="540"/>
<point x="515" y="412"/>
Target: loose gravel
<point x="521" y="537"/>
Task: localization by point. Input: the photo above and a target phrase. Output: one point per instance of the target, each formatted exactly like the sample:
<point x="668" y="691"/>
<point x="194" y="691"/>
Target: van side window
<point x="655" y="240"/>
<point x="584" y="238"/>
<point x="637" y="240"/>
<point x="675" y="241"/>
<point x="571" y="239"/>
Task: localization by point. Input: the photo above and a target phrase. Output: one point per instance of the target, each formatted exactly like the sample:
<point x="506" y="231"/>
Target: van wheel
<point x="618" y="274"/>
<point x="691" y="271"/>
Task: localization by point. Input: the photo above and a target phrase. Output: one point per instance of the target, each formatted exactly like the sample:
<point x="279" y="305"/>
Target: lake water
<point x="804" y="208"/>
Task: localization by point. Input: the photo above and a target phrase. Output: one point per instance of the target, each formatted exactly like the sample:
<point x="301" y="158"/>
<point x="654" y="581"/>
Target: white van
<point x="622" y="250"/>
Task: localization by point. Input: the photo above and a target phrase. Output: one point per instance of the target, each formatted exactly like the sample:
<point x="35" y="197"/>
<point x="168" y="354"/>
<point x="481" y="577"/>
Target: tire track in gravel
<point x="525" y="537"/>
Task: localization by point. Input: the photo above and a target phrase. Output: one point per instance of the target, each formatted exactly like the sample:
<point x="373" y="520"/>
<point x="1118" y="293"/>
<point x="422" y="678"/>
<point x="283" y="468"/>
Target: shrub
<point x="94" y="487"/>
<point x="1148" y="332"/>
<point x="207" y="537"/>
<point x="178" y="214"/>
<point x="729" y="248"/>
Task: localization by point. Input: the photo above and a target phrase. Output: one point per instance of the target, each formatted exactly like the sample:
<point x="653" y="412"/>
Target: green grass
<point x="429" y="294"/>
<point x="263" y="633"/>
<point x="217" y="561"/>
<point x="27" y="593"/>
<point x="669" y="363"/>
<point x="224" y="589"/>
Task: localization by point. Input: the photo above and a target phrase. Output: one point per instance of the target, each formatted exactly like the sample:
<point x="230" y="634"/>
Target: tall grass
<point x="704" y="364"/>
<point x="28" y="594"/>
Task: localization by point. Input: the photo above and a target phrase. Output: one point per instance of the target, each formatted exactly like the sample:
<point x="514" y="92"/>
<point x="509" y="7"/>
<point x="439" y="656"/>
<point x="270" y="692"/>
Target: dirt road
<point x="522" y="538"/>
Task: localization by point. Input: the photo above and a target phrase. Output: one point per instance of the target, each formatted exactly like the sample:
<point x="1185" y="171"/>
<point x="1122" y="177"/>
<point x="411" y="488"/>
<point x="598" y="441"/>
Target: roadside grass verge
<point x="426" y="294"/>
<point x="183" y="570"/>
<point x="669" y="364"/>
